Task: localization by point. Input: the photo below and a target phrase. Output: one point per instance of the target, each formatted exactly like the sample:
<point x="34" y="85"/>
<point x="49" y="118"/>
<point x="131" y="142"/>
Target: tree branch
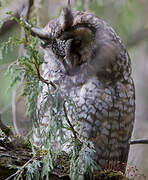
<point x="139" y="141"/>
<point x="15" y="6"/>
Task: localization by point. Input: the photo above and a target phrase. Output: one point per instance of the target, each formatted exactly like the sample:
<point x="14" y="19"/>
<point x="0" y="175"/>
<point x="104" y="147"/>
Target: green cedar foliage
<point x="26" y="69"/>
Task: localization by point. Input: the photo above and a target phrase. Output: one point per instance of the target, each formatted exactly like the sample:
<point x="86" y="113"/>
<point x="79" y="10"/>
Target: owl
<point x="88" y="62"/>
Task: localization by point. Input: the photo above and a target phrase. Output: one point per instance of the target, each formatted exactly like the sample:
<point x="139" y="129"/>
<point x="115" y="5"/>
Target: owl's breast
<point x="93" y="103"/>
<point x="107" y="116"/>
<point x="104" y="109"/>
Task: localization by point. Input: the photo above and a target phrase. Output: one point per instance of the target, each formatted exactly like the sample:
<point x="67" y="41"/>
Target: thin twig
<point x="71" y="126"/>
<point x="42" y="79"/>
<point x="12" y="175"/>
<point x="139" y="141"/>
<point x="21" y="170"/>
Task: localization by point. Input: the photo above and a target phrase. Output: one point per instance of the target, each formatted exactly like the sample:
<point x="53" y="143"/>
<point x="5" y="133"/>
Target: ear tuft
<point x="66" y="18"/>
<point x="68" y="4"/>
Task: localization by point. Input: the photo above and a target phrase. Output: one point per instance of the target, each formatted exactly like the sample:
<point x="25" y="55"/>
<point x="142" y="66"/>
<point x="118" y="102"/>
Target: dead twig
<point x="69" y="123"/>
<point x="139" y="141"/>
<point x="42" y="79"/>
<point x="20" y="171"/>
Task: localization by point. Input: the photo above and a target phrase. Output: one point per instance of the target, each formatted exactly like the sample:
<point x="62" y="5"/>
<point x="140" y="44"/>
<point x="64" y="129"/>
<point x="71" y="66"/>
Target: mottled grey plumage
<point x="88" y="62"/>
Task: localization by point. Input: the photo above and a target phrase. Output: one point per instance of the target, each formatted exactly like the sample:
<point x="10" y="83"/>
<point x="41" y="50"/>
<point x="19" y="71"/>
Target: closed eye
<point x="75" y="45"/>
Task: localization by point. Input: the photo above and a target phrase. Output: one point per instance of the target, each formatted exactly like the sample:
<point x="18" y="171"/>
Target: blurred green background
<point x="129" y="18"/>
<point x="5" y="60"/>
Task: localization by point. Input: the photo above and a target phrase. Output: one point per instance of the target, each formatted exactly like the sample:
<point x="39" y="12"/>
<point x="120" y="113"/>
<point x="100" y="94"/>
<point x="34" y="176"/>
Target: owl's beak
<point x="37" y="31"/>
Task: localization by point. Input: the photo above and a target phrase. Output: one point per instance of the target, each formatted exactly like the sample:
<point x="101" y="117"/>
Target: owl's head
<point x="77" y="38"/>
